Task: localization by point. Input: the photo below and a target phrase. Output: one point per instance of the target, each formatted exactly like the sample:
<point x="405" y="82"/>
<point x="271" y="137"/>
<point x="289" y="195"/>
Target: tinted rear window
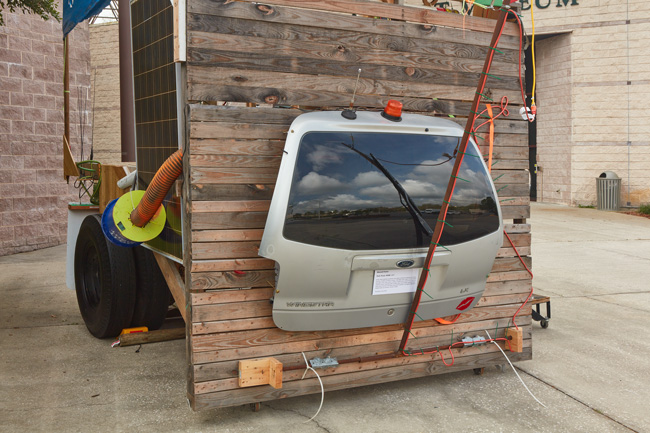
<point x="339" y="199"/>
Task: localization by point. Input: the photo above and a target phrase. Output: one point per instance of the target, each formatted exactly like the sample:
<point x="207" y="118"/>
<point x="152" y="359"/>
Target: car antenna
<point x="350" y="113"/>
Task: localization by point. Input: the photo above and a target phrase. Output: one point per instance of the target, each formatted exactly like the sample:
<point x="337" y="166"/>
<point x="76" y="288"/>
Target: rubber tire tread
<point x="152" y="296"/>
<point x="116" y="278"/>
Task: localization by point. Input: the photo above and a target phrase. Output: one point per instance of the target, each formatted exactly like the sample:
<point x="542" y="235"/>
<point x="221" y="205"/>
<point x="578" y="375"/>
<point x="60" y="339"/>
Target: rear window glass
<point x="341" y="198"/>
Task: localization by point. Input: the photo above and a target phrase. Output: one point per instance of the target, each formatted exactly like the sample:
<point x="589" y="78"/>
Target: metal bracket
<point x="323" y="362"/>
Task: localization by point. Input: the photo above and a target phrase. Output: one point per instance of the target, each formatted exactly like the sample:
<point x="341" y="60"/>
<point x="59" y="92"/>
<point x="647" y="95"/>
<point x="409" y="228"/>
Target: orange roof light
<point x="393" y="111"/>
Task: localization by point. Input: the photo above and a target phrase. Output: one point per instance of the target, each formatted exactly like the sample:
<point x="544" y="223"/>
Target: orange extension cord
<point x="158" y="188"/>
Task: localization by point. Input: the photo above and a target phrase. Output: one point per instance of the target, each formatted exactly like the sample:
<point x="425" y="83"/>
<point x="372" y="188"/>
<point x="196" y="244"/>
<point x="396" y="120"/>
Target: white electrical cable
<point x="513" y="369"/>
<point x="322" y="389"/>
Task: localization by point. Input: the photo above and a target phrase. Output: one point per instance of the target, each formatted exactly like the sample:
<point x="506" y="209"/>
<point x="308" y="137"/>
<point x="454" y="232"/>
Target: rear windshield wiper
<point x="404" y="198"/>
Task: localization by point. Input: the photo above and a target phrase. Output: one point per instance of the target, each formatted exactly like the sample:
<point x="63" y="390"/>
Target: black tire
<point x="152" y="296"/>
<point x="104" y="279"/>
<point x="543" y="323"/>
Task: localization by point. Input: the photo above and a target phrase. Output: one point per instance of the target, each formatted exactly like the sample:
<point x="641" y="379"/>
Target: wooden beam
<point x="152" y="336"/>
<point x="255" y="372"/>
<point x="174" y="282"/>
<point x="69" y="166"/>
<point x="373" y="9"/>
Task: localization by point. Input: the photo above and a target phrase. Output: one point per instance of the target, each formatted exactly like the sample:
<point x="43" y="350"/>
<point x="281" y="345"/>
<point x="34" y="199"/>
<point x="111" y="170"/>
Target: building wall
<point x="609" y="62"/>
<point x="33" y="194"/>
<point x="554" y="122"/>
<point x="105" y="78"/>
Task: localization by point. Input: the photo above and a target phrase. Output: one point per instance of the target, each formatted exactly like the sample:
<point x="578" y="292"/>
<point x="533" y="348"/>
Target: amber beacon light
<point x="393" y="111"/>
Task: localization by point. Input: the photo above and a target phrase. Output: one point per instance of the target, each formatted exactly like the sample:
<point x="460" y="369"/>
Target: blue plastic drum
<point x="111" y="231"/>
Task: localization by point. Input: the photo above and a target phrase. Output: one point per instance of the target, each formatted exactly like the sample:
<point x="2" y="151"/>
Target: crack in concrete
<point x="18" y="328"/>
<point x="598" y="411"/>
<point x="596" y="296"/>
<point x="618" y="305"/>
<point x="297" y="413"/>
<point x="643" y="292"/>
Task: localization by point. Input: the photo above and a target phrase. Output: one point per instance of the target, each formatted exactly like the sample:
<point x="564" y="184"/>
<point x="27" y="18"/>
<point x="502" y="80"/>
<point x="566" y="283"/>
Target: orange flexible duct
<point x="158" y="188"/>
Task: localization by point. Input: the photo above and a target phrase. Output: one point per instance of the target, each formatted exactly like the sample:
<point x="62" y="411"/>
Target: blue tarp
<point x="75" y="11"/>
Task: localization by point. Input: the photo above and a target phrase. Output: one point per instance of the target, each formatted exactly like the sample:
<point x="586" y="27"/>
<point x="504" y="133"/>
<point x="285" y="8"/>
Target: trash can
<point x="608" y="187"/>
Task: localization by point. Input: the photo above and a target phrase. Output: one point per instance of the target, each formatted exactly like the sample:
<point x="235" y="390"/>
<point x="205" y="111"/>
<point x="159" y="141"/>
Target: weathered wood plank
<point x="228" y="113"/>
<point x="228" y="220"/>
<point x="509" y="164"/>
<point x="230" y="175"/>
<point x="501" y="177"/>
<point x="219" y="161"/>
<point x="270" y="339"/>
<point x="231" y="206"/>
<point x="502" y="264"/>
<point x="373" y="10"/>
<point x="226" y="369"/>
<point x="214" y="130"/>
<point x="315" y="19"/>
<point x="497" y="288"/>
<point x="507" y="276"/>
<point x="515" y="201"/>
<point x="377" y="365"/>
<point x="229" y="296"/>
<point x="240" y="310"/>
<point x="451" y="57"/>
<point x="227" y="235"/>
<point x="342" y="84"/>
<point x="224" y="250"/>
<point x="343" y="381"/>
<point x="509" y="252"/>
<point x="515" y="212"/>
<point x="312" y="36"/>
<point x="517" y="228"/>
<point x="225" y="280"/>
<point x="259" y="62"/>
<point x="206" y="192"/>
<point x="232" y="325"/>
<point x="229" y="265"/>
<point x="514" y="190"/>
<point x="505" y="152"/>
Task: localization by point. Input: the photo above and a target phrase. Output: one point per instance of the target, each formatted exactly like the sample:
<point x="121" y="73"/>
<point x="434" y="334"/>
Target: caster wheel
<point x="543" y="323"/>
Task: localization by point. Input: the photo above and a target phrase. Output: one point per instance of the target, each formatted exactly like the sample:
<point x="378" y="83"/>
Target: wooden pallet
<point x="305" y="54"/>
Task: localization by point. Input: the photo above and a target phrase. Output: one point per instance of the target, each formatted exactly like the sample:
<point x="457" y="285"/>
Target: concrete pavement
<point x="590" y="367"/>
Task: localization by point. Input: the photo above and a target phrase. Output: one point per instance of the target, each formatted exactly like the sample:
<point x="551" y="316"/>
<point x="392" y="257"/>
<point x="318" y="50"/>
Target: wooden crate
<point x="305" y="55"/>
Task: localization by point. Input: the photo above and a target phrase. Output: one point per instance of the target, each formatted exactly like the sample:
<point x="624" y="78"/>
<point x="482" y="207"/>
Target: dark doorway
<point x="532" y="128"/>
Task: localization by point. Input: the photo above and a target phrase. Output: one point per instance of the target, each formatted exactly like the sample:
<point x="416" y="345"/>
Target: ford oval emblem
<point x="405" y="263"/>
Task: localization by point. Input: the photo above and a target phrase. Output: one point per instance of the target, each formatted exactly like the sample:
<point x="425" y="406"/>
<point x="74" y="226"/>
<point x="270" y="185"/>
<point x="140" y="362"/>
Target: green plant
<point x="44" y="8"/>
<point x="581" y="206"/>
<point x="645" y="209"/>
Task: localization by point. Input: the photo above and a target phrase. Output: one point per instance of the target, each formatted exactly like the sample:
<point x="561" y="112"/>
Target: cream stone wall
<point x="554" y="120"/>
<point x="610" y="59"/>
<point x="105" y="76"/>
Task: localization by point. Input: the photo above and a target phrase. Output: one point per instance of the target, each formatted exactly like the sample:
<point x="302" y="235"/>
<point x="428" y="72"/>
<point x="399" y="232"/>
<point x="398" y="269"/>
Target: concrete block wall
<point x="554" y="119"/>
<point x="105" y="76"/>
<point x="33" y="194"/>
<point x="610" y="58"/>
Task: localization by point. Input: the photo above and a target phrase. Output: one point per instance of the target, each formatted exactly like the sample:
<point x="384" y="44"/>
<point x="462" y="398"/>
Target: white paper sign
<point x="395" y="281"/>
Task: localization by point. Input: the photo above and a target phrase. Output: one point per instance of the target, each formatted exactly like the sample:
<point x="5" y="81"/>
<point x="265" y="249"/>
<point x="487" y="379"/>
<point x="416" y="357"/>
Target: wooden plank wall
<point x="308" y="58"/>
